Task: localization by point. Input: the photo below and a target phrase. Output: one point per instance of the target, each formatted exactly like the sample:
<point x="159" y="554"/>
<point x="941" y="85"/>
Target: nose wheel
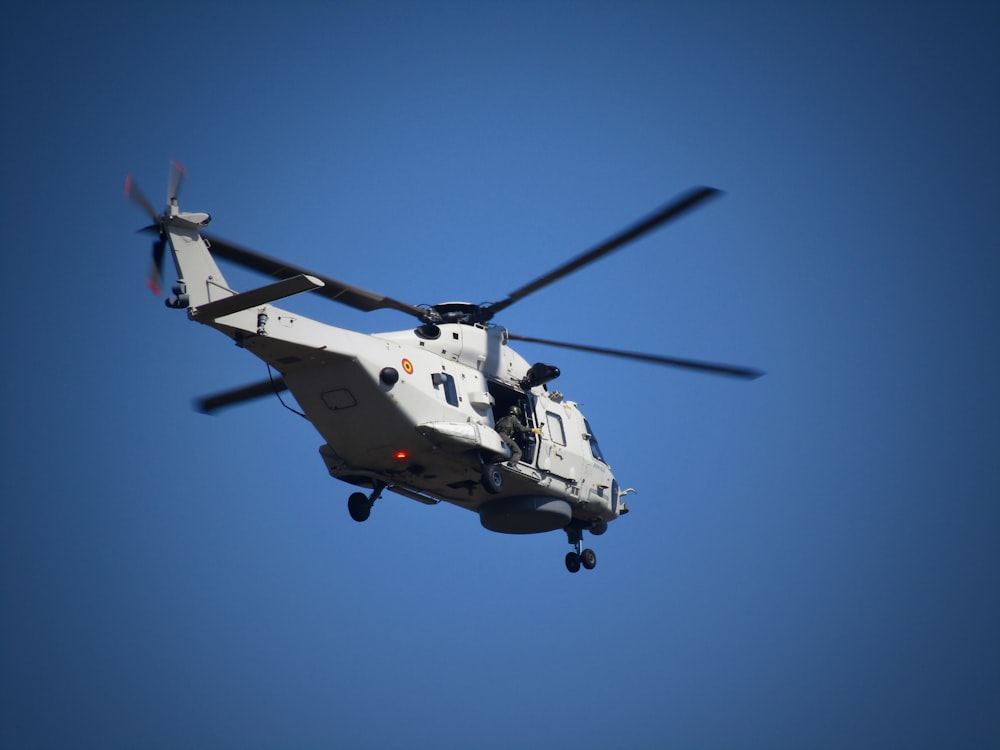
<point x="586" y="558"/>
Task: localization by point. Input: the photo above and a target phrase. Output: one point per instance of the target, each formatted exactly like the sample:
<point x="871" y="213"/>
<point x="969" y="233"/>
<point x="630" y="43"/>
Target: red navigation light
<point x="401" y="455"/>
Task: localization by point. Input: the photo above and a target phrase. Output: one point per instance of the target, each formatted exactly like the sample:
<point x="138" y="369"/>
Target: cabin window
<point x="555" y="424"/>
<point x="447" y="382"/>
<point x="595" y="449"/>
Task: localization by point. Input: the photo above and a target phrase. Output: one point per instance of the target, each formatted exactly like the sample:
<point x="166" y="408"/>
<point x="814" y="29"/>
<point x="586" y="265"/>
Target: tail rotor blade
<point x="177" y="173"/>
<point x="133" y="192"/>
<point x="154" y="280"/>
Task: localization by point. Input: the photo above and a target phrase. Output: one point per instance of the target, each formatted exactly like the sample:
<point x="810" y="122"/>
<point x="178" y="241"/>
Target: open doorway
<point x="504" y="397"/>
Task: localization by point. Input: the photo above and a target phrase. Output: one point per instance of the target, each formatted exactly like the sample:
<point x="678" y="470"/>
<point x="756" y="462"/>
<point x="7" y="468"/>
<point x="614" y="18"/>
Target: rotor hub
<point x="458" y="312"/>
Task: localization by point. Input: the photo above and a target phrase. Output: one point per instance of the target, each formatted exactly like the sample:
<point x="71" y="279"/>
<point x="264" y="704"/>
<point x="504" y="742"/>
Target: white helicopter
<point x="417" y="411"/>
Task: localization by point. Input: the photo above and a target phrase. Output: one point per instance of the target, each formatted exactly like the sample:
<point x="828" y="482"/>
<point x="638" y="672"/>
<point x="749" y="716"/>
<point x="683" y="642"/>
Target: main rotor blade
<point x="217" y="401"/>
<point x="746" y="373"/>
<point x="670" y="211"/>
<point x="338" y="291"/>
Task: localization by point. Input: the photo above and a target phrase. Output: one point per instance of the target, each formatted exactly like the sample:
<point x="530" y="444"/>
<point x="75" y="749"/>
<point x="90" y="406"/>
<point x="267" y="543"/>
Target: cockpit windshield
<point x="595" y="449"/>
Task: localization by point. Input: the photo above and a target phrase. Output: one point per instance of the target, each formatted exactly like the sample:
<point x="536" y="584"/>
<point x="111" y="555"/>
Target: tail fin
<point x="199" y="279"/>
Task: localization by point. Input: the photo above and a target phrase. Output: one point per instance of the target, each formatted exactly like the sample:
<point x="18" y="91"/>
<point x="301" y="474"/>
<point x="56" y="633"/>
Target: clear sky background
<point x="812" y="558"/>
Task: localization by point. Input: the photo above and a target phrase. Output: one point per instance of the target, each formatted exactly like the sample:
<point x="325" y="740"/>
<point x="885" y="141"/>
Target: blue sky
<point x="812" y="559"/>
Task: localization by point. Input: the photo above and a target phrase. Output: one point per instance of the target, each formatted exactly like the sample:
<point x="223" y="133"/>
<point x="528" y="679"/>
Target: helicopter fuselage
<point x="414" y="412"/>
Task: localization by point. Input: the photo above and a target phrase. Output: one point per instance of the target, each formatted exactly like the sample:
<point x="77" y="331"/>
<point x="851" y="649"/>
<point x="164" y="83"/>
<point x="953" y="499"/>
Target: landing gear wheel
<point x="572" y="562"/>
<point x="359" y="506"/>
<point x="492" y="478"/>
<point x="588" y="559"/>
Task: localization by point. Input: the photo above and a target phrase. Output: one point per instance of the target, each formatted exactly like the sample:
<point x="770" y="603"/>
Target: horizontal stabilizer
<point x="257" y="297"/>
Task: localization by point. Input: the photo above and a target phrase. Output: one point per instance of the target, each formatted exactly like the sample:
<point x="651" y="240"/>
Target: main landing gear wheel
<point x="360" y="505"/>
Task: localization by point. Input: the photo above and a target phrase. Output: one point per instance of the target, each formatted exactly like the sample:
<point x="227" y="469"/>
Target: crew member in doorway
<point x="510" y="428"/>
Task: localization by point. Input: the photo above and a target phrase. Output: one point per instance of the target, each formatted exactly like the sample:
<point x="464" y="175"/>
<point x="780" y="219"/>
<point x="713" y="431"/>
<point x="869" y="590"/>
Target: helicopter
<point x="420" y="412"/>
